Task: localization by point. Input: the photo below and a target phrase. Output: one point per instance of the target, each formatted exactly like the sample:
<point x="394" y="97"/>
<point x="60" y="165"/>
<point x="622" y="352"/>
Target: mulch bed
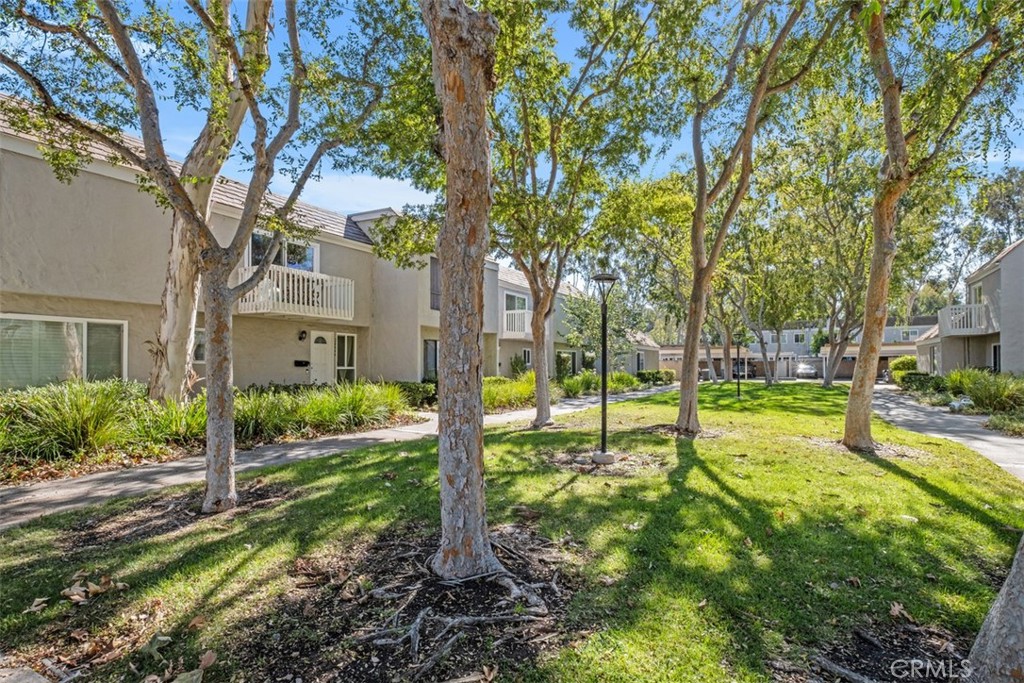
<point x="673" y="431"/>
<point x="881" y="450"/>
<point x="377" y="613"/>
<point x="579" y="461"/>
<point x="883" y="652"/>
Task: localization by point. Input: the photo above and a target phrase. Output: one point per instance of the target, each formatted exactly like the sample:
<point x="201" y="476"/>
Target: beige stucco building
<point x="986" y="331"/>
<point x="82" y="269"/>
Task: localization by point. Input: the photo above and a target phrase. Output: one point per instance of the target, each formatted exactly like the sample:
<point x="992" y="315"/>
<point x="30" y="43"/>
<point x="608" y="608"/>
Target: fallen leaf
<point x="909" y="518"/>
<point x="768" y="531"/>
<point x="197" y="623"/>
<point x="38" y="605"/>
<point x="702" y="604"/>
<point x="635" y="526"/>
<point x="853" y="581"/>
<point x="80" y="574"/>
<point x="207" y="660"/>
<point x="747" y="542"/>
<point x="896" y="611"/>
<point x="94" y="589"/>
<point x="193" y="676"/>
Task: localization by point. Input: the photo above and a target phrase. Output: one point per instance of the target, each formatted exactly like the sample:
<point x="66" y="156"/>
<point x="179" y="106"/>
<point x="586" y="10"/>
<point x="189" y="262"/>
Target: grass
<point x="740" y="547"/>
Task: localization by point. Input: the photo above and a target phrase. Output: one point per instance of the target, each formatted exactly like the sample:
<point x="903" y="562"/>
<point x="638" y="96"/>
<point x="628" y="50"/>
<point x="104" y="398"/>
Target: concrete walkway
<point x="903" y="411"/>
<point x="19" y="504"/>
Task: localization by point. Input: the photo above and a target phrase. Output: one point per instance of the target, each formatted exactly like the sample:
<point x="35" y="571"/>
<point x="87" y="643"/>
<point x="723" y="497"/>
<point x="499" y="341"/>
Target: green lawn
<point x="753" y="544"/>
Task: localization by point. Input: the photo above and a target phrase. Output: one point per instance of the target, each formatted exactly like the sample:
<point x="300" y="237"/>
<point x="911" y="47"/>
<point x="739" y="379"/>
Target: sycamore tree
<point x="89" y="70"/>
<point x="943" y="74"/>
<point x="462" y="50"/>
<point x="999" y="205"/>
<point x="728" y="83"/>
<point x="564" y="120"/>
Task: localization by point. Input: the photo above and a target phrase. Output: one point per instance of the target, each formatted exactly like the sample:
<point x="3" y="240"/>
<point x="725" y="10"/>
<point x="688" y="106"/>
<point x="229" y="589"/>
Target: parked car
<point x="743" y="372"/>
<point x="806" y="371"/>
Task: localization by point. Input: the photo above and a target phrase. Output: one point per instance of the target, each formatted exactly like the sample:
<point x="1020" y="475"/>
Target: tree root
<point x="842" y="672"/>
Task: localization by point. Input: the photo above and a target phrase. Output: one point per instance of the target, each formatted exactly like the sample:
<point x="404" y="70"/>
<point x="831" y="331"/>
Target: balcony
<point x="516" y="325"/>
<point x="290" y="292"/>
<point x="967" y="319"/>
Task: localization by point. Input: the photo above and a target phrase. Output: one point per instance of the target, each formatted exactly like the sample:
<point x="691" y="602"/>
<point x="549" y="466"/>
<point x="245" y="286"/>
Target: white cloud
<point x="355" y="193"/>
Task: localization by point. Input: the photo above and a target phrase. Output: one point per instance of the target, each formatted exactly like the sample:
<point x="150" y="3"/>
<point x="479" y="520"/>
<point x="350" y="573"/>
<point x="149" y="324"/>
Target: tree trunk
<point x="857" y="433"/>
<point x="462" y="49"/>
<point x="73" y="367"/>
<point x="835" y="357"/>
<point x="542" y="383"/>
<point x="712" y="375"/>
<point x="727" y="372"/>
<point x="998" y="652"/>
<point x="220" y="397"/>
<point x="763" y="347"/>
<point x="778" y="357"/>
<point x="171" y="376"/>
<point x="689" y="376"/>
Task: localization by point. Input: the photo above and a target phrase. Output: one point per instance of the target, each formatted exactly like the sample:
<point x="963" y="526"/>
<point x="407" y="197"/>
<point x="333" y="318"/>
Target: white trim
<point x="355" y="359"/>
<point x="85" y="333"/>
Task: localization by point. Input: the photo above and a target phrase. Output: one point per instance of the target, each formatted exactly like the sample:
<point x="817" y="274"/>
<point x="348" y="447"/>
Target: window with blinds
<point x="37" y="351"/>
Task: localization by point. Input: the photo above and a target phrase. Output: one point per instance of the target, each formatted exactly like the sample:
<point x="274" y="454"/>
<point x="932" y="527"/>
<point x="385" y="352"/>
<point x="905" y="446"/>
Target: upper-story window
<point x="291" y="254"/>
<point x="435" y="284"/>
<point x="976" y="294"/>
<point x="774" y="338"/>
<point x="799" y="338"/>
<point x="908" y="335"/>
<point x="515" y="302"/>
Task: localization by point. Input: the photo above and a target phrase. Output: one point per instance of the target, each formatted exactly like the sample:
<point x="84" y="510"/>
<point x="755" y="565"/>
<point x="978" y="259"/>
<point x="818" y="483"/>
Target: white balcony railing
<point x="966" y="319"/>
<point x="517" y="325"/>
<point x="287" y="291"/>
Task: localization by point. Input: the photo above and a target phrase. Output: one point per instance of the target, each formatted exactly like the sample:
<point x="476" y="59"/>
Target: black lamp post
<point x="605" y="283"/>
<point x="737" y="340"/>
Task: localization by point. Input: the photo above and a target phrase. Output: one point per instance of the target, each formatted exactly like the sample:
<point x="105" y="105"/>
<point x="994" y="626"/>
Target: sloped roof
<point x="515" y="277"/>
<point x="227" y="191"/>
<point x="992" y="263"/>
<point x="931" y="333"/>
<point x="643" y="339"/>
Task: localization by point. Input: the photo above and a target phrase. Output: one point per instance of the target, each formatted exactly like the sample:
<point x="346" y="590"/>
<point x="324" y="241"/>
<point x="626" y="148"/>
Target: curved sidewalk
<point x="19" y="504"/>
<point x="901" y="410"/>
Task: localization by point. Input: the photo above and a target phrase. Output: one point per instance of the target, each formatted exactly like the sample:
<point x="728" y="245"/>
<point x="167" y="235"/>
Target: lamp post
<point x="738" y="367"/>
<point x="605" y="283"/>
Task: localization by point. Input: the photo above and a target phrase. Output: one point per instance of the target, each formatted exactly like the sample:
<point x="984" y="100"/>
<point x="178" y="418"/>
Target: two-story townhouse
<point x="516" y="336"/>
<point x="899" y="338"/>
<point x="987" y="330"/>
<point x="82" y="268"/>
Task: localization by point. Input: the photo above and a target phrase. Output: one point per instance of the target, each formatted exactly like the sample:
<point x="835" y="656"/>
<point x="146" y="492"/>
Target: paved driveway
<point x="901" y="410"/>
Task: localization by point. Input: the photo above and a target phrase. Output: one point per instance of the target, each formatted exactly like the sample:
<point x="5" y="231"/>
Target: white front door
<point x="321" y="357"/>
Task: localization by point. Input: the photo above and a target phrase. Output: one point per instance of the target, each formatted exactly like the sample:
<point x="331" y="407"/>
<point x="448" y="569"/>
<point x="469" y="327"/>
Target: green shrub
<point x="908" y="363"/>
<point x="911" y="380"/>
<point x="169" y="422"/>
<point x="68" y="418"/>
<point x="511" y="394"/>
<point x="563" y="366"/>
<point x="591" y="381"/>
<point x="572" y="386"/>
<point x="649" y="376"/>
<point x="621" y="382"/>
<point x="989" y="391"/>
<point x="498" y="379"/>
<point x="937" y="398"/>
<point x="263" y="414"/>
<point x="1008" y="423"/>
<point x="668" y="376"/>
<point x="938" y="384"/>
<point x="517" y="365"/>
<point x="419" y="394"/>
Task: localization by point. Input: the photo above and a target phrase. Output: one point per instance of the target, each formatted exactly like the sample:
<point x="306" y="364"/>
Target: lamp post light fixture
<point x="605" y="283"/>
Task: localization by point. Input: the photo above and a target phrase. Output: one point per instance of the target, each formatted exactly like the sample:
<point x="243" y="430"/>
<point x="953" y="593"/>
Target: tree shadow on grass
<point x="711" y="569"/>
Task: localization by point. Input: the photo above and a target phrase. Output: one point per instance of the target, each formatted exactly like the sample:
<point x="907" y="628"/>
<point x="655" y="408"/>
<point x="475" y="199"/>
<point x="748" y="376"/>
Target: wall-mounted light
<point x="302" y="335"/>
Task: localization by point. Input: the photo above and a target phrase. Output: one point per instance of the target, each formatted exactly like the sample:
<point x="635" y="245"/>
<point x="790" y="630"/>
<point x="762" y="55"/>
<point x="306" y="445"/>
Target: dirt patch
<point x="673" y="431"/>
<point x="881" y="450"/>
<point x="376" y="613"/>
<point x="150" y="517"/>
<point x="17" y="471"/>
<point x="884" y="652"/>
<point x="579" y="460"/>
